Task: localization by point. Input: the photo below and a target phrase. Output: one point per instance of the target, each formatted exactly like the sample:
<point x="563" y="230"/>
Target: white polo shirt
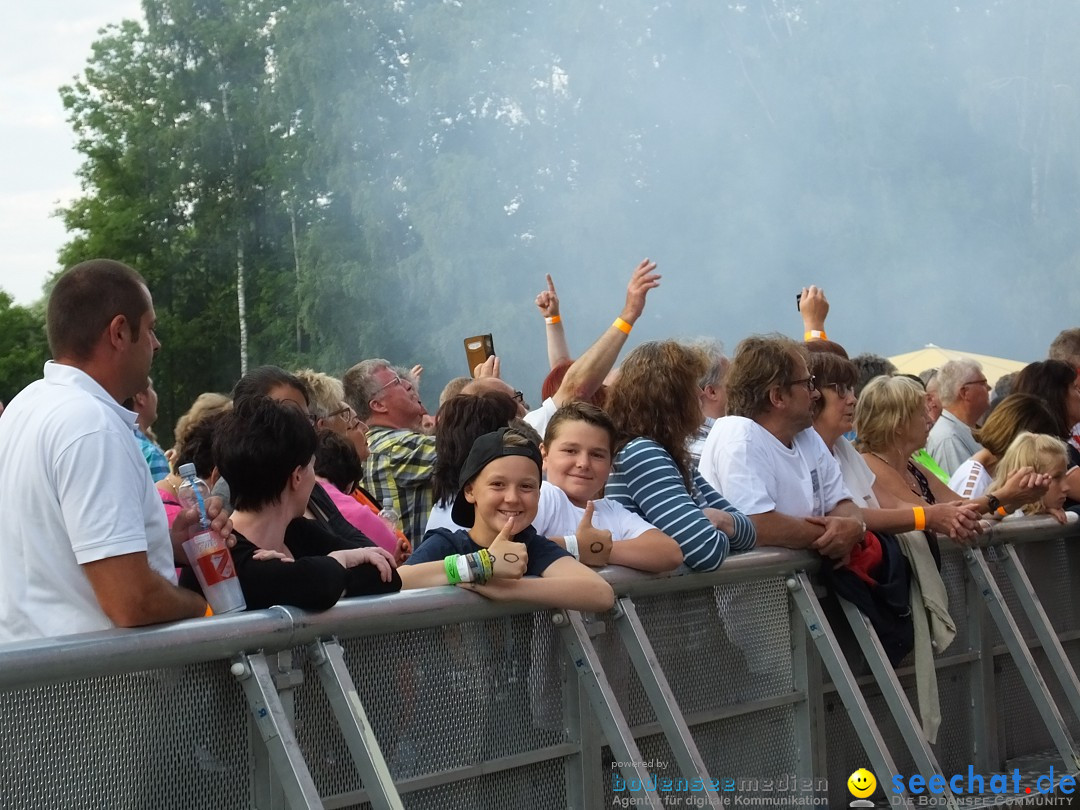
<point x="74" y="489"/>
<point x="757" y="473"/>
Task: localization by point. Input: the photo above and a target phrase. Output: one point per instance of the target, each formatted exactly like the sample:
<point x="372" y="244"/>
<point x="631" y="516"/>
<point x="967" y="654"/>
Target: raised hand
<point x="814" y="307"/>
<point x="489" y="368"/>
<point x="642" y="280"/>
<point x="511" y="559"/>
<point x="594" y="545"/>
<point x="548" y="300"/>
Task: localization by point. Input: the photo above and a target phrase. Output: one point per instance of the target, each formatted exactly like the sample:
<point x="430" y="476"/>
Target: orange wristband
<point x="553" y="319"/>
<point x="1001" y="510"/>
<point x="623" y="326"/>
<point x="920" y="518"/>
<point x="814" y="334"/>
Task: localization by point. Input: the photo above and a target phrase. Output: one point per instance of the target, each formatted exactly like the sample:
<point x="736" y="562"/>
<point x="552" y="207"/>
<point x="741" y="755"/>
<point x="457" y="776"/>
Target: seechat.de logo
<point x="861" y="784"/>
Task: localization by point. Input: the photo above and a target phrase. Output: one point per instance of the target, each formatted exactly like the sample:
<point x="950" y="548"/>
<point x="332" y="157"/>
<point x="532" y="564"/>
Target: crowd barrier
<point x="723" y="689"/>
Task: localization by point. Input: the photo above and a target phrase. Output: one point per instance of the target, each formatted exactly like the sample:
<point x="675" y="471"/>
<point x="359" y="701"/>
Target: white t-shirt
<point x="858" y="477"/>
<point x="76" y="489"/>
<point x="539" y="418"/>
<point x="556" y="516"/>
<point x="757" y="473"/>
<point x="970" y="479"/>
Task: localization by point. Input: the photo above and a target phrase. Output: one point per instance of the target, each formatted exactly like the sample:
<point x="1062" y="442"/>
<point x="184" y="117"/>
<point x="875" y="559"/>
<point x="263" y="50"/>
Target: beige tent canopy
<point x="934" y="357"/>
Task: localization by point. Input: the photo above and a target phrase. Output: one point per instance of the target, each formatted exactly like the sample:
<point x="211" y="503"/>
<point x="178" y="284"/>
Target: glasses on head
<point x="841" y="389"/>
<point x="810" y="382"/>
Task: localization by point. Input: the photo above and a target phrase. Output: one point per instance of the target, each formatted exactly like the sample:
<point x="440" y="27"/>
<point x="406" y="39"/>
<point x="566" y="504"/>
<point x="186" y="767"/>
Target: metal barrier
<point x="441" y="699"/>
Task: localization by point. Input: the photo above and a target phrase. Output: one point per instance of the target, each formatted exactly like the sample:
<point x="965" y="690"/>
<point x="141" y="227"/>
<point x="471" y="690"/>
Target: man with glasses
<point x="769" y="462"/>
<point x="402" y="457"/>
<point x="964" y="394"/>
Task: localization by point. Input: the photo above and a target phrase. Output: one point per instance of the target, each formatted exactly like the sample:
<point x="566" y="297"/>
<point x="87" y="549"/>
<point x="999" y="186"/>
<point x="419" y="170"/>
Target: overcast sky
<point x="42" y="46"/>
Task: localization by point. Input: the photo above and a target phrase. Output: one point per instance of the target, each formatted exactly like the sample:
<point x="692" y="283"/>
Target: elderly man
<point x="402" y="457"/>
<point x="713" y="393"/>
<point x="88" y="546"/>
<point x="767" y="459"/>
<point x="964" y="394"/>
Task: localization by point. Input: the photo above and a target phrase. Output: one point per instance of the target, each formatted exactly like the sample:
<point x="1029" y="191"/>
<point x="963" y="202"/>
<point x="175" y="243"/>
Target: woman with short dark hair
<point x="266" y="449"/>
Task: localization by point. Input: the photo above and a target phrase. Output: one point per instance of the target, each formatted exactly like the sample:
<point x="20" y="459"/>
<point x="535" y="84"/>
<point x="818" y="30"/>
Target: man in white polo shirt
<point x="768" y="461"/>
<point x="85" y="544"/>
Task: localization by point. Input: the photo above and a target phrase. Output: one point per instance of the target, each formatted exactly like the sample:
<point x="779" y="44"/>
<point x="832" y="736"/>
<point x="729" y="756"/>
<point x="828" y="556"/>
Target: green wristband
<point x="450" y="564"/>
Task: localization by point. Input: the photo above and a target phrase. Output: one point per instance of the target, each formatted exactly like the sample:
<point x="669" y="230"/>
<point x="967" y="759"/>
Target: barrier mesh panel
<point x="441" y="698"/>
<point x="180" y="738"/>
<point x="727" y="645"/>
<point x="537" y="787"/>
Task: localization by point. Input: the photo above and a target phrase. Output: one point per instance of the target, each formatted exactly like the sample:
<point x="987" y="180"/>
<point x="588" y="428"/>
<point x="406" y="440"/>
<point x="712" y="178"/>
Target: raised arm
<point x="548" y="304"/>
<point x="814" y="308"/>
<point x="587" y="373"/>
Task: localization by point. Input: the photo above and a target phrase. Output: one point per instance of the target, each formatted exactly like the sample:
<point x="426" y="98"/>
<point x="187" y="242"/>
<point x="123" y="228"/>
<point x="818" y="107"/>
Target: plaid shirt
<point x="155" y="458"/>
<point x="398" y="472"/>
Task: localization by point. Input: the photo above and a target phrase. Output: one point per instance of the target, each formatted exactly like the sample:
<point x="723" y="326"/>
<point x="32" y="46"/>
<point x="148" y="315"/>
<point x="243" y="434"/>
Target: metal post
<point x="843" y="679"/>
<point x="1033" y="608"/>
<point x="329" y="661"/>
<point x="895" y="697"/>
<point x="660" y="696"/>
<point x="623" y="746"/>
<point x="256" y="678"/>
<point x="807" y="678"/>
<point x="583" y="768"/>
<point x="1022" y="657"/>
<point x="984" y="726"/>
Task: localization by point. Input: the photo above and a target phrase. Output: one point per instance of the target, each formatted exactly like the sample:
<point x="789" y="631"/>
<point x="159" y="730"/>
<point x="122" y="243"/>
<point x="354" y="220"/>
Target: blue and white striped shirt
<point x="646" y="480"/>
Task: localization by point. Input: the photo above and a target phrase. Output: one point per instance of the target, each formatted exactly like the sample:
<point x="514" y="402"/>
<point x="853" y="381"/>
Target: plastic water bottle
<point x="206" y="551"/>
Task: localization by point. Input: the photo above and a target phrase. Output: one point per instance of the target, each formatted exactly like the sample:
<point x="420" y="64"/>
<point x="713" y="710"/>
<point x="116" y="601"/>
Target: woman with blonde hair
<point x="1045" y="454"/>
<point x="891" y="422"/>
<point x="655" y="407"/>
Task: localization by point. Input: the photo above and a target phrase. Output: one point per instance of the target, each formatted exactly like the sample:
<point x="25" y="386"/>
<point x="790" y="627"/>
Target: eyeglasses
<point x="396" y="381"/>
<point x="345" y="413"/>
<point x="519" y="396"/>
<point x="981" y="382"/>
<point x="841" y="389"/>
<point x="810" y="382"/>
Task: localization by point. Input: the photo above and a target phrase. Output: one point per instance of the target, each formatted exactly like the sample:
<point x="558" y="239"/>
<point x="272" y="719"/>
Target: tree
<point x="23" y="347"/>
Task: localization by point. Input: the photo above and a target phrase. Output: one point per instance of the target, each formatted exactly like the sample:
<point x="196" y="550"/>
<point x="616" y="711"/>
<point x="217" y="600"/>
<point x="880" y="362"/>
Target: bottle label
<point x="216" y="566"/>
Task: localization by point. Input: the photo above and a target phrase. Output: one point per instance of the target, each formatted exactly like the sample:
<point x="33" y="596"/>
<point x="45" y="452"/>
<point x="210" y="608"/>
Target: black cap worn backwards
<point x="485" y="450"/>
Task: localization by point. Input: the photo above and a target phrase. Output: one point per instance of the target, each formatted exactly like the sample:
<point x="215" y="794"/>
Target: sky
<point x="42" y="46"/>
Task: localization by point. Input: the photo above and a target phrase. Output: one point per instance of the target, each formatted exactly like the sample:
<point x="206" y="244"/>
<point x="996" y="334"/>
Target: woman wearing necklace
<point x="891" y="423"/>
<point x="883" y="511"/>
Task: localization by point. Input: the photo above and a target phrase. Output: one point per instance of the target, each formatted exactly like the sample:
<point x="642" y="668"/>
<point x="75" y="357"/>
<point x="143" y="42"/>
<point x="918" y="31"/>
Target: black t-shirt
<point x="313" y="581"/>
<point x="441" y="543"/>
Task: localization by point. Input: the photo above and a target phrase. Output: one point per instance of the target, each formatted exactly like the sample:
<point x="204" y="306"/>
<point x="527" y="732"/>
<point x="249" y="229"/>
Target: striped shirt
<point x="398" y="473"/>
<point x="646" y="481"/>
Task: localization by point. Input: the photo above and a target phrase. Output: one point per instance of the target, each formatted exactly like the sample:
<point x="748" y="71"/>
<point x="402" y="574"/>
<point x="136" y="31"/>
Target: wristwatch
<point x="992" y="503"/>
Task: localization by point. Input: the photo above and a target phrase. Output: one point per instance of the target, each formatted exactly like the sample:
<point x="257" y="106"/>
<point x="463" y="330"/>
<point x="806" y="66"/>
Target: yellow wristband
<point x="920" y="518"/>
<point x="552" y="319"/>
<point x="815" y="334"/>
<point x="623" y="326"/>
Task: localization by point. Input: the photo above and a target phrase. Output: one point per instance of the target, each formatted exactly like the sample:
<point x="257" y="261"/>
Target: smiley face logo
<point x="862" y="783"/>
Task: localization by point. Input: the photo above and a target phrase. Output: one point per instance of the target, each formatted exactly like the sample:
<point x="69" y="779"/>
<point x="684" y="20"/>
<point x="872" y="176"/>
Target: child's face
<point x="1056" y="494"/>
<point x="578" y="461"/>
<point x="508" y="487"/>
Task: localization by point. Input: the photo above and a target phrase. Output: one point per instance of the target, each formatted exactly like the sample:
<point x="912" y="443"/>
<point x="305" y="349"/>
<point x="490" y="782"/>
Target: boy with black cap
<point x="501" y="556"/>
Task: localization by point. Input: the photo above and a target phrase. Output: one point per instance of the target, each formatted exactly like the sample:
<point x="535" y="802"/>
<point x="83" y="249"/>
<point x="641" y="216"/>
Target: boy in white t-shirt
<point x="578" y="448"/>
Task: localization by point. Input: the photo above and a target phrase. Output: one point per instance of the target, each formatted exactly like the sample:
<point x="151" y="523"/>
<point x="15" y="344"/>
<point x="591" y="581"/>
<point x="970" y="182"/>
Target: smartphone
<point x="478" y="348"/>
<point x="798" y="302"/>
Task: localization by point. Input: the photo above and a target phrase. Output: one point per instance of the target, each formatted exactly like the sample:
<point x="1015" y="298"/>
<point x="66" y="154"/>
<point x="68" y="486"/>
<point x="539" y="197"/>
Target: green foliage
<point x="23" y="347"/>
